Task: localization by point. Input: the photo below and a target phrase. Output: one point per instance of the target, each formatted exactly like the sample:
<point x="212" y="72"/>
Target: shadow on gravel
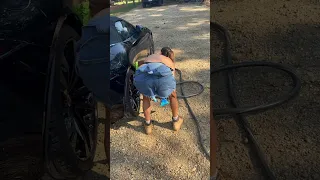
<point x="91" y="175"/>
<point x="288" y="133"/>
<point x="125" y="122"/>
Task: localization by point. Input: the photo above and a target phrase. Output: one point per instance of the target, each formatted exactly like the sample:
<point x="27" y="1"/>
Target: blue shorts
<point x="154" y="80"/>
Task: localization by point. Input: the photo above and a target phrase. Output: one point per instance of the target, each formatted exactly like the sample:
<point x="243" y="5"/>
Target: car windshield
<point x="114" y="36"/>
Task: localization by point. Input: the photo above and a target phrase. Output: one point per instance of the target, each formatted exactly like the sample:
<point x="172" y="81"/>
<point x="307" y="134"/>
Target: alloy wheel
<point x="79" y="107"/>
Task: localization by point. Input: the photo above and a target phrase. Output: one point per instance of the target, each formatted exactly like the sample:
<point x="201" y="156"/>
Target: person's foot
<point x="148" y="127"/>
<point x="177" y="124"/>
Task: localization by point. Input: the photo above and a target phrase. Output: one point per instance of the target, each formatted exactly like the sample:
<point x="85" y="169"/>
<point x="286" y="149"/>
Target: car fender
<point x="142" y="50"/>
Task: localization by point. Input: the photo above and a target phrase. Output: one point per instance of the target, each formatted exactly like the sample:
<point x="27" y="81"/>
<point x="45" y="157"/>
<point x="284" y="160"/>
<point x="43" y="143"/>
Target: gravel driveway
<point x="283" y="31"/>
<point x="164" y="154"/>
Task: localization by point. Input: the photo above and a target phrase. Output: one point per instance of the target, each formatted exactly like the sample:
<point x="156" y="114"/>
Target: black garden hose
<point x="184" y="97"/>
<point x="239" y="111"/>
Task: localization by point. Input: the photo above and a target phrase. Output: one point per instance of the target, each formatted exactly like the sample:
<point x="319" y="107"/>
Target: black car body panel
<point x="128" y="44"/>
<point x="26" y="26"/>
<point x="151" y="2"/>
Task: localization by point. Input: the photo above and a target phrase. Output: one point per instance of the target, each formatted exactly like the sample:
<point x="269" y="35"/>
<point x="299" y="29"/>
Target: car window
<point x="114" y="36"/>
<point x="124" y="29"/>
<point x="131" y="29"/>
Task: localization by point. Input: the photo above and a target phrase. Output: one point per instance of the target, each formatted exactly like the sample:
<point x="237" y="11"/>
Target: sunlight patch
<point x="193" y="9"/>
<point x="135" y="123"/>
<point x="201" y="64"/>
<point x="198" y="23"/>
<point x="160" y="10"/>
<point x="156" y="15"/>
<point x="182" y="28"/>
<point x="205" y="36"/>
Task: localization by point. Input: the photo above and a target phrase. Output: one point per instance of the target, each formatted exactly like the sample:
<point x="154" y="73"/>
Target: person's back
<point x="155" y="78"/>
<point x="161" y="59"/>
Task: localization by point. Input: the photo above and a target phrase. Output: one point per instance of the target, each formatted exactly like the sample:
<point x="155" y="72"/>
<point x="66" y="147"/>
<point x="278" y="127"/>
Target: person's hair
<point x="166" y="51"/>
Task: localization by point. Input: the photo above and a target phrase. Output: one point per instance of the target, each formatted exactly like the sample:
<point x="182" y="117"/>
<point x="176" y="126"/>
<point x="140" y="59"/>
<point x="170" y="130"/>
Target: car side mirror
<point x="139" y="28"/>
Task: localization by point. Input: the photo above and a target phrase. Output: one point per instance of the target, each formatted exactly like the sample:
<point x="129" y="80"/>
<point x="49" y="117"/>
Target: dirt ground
<point x="164" y="154"/>
<point x="282" y="31"/>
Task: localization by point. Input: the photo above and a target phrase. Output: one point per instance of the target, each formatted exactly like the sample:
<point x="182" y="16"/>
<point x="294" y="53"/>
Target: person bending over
<point x="155" y="78"/>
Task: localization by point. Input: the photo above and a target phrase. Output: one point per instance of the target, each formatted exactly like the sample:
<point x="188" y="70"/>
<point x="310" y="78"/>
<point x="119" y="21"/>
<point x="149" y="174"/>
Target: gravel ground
<point x="164" y="154"/>
<point x="283" y="31"/>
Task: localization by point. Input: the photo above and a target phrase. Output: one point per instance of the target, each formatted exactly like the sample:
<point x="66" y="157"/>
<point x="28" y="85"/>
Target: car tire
<point x="144" y="5"/>
<point x="131" y="95"/>
<point x="61" y="156"/>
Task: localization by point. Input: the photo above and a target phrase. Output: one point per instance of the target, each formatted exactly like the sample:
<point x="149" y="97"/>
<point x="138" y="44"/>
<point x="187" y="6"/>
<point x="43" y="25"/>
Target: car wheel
<point x="132" y="95"/>
<point x="71" y="114"/>
<point x="144" y="5"/>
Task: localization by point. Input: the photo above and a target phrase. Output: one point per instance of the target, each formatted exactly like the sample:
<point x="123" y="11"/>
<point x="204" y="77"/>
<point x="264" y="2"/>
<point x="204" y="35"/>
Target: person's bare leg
<point x="174" y="104"/>
<point x="177" y="120"/>
<point x="147" y="108"/>
<point x="147" y="114"/>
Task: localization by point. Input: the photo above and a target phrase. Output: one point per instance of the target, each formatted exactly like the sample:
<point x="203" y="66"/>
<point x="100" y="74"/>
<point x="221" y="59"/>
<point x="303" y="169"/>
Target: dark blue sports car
<point x="128" y="44"/>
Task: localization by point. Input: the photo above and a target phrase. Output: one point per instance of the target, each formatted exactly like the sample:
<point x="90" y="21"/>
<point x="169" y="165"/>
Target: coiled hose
<point x="239" y="111"/>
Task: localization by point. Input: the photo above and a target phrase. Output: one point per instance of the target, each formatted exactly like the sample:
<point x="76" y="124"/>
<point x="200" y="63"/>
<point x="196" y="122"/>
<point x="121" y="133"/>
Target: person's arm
<point x="168" y="62"/>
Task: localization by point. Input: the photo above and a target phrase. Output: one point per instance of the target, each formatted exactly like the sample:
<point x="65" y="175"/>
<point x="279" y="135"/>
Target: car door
<point x="139" y="41"/>
<point x="118" y="65"/>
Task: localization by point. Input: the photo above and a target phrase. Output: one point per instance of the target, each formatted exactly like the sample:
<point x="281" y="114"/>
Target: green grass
<point x="124" y="2"/>
<point x="125" y="8"/>
<point x="82" y="10"/>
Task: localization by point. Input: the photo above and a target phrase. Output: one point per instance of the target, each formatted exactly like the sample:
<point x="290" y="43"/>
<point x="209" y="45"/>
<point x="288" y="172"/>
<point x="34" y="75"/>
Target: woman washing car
<point x="155" y="78"/>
